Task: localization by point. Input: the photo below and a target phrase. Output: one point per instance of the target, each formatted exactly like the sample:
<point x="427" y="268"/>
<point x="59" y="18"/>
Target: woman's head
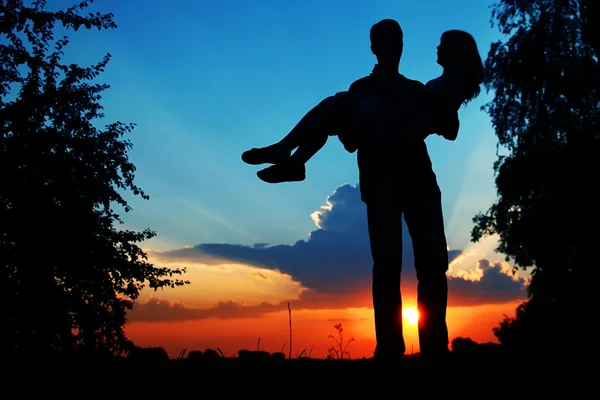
<point x="460" y="47"/>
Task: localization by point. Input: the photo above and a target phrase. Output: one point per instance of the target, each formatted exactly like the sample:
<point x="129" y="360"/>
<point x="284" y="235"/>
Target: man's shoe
<point x="388" y="355"/>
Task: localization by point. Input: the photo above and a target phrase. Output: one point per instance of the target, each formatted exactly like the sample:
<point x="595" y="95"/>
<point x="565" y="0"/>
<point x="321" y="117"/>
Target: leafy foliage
<point x="546" y="110"/>
<point x="69" y="275"/>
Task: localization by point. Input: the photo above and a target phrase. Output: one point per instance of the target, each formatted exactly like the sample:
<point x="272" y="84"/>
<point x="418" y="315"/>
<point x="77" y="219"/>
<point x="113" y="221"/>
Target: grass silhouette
<point x="259" y="373"/>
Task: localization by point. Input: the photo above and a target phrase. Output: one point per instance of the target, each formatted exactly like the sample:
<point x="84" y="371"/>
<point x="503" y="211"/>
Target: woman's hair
<point x="464" y="50"/>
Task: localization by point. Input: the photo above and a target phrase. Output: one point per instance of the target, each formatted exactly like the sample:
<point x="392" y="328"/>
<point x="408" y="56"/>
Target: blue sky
<point x="206" y="80"/>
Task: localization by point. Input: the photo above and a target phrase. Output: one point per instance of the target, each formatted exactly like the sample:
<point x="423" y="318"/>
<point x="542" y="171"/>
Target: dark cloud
<point x="335" y="258"/>
<point x="334" y="263"/>
<point x="259" y="275"/>
<point x="495" y="286"/>
<point x="155" y="310"/>
<point x="340" y="320"/>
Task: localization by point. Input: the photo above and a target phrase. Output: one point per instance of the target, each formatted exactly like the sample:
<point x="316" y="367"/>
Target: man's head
<point x="387" y="41"/>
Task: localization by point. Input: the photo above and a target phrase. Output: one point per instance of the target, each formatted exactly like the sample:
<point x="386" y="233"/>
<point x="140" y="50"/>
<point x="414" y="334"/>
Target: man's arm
<point x="347" y="138"/>
<point x="355" y="86"/>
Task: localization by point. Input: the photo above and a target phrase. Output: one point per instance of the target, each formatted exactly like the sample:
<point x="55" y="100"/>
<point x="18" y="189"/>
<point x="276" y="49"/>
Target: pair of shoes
<point x="283" y="172"/>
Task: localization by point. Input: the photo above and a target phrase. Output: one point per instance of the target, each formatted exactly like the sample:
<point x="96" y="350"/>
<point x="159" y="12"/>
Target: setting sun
<point x="411" y="315"/>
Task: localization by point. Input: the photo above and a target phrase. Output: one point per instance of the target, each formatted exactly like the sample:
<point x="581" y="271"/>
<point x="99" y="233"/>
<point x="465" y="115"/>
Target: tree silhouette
<point x="68" y="275"/>
<point x="545" y="112"/>
<point x="590" y="16"/>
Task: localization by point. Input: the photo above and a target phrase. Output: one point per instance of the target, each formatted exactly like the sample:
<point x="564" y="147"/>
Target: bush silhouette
<point x="211" y="354"/>
<point x="195" y="355"/>
<point x="462" y="345"/>
<point x="278" y="356"/>
<point x="148" y="355"/>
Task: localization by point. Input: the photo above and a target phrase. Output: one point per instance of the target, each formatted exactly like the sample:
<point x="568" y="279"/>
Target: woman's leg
<point x="332" y="116"/>
<point x="310" y="135"/>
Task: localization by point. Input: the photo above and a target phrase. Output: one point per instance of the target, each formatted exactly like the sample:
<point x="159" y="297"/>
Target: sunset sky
<point x="206" y="80"/>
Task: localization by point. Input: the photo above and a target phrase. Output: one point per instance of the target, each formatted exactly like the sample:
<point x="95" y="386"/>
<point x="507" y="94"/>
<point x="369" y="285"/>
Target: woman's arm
<point x="444" y="114"/>
<point x="448" y="125"/>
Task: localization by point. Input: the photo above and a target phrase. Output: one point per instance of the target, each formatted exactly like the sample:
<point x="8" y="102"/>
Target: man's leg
<point x="425" y="222"/>
<point x="385" y="234"/>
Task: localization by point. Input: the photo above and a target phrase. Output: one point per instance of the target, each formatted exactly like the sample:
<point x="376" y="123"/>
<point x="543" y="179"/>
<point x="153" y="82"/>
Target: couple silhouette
<point x="386" y="117"/>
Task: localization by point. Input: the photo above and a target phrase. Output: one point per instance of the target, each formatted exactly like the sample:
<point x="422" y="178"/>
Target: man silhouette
<point x="397" y="181"/>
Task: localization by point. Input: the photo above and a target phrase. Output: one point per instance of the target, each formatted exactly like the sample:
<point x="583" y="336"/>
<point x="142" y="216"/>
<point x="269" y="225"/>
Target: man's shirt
<point x="384" y="167"/>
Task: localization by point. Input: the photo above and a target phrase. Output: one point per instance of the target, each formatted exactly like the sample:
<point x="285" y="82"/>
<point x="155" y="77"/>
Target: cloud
<point x="496" y="285"/>
<point x="260" y="275"/>
<point x="155" y="310"/>
<point x="333" y="266"/>
<point x="335" y="258"/>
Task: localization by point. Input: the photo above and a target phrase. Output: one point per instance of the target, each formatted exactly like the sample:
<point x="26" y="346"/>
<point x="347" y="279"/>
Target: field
<point x="465" y="376"/>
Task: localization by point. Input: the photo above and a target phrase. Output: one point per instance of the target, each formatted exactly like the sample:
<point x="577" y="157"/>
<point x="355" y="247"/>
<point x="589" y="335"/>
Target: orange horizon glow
<point x="232" y="306"/>
<point x="310" y="331"/>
